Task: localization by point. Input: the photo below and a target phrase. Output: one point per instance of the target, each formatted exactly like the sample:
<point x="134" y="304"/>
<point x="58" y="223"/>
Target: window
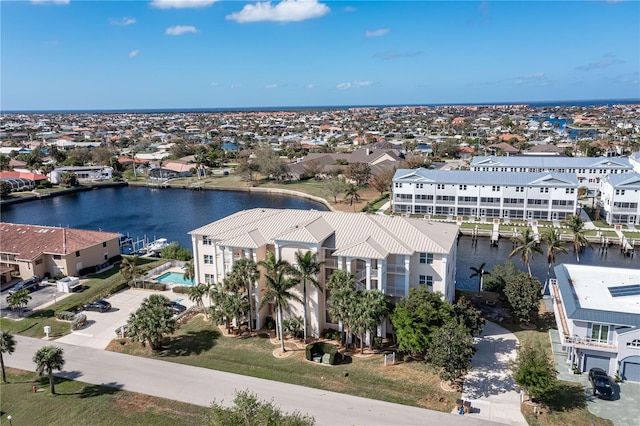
<point x="495" y="188"/>
<point x="208" y="278"/>
<point x="424" y="197"/>
<point x="208" y="259"/>
<point x="77" y="254"/>
<point x="426" y="258"/>
<point x="519" y="188"/>
<point x="426" y="280"/>
<point x="57" y="257"/>
<point x="207" y="241"/>
<point x="635" y="343"/>
<point x="462" y="187"/>
<point x="419" y="185"/>
<point x="398" y="185"/>
<point x="600" y="332"/>
<point x="569" y="191"/>
<point x="440" y="186"/>
<point x="104" y="244"/>
<point x="619" y="191"/>
<point x="545" y="190"/>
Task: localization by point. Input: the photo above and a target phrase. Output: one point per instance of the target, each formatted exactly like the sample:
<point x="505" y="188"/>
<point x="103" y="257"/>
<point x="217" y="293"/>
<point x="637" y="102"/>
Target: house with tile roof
<point x="51" y="251"/>
<point x="598" y="318"/>
<point x="389" y="253"/>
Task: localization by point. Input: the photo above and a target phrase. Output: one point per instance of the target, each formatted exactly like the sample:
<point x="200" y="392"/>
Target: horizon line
<point x="629" y="101"/>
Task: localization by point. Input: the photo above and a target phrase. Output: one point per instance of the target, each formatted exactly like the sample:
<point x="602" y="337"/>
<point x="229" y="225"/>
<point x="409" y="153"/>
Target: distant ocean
<point x="583" y="103"/>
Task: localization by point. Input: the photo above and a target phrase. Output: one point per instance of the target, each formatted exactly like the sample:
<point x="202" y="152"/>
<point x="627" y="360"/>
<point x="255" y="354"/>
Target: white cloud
<point x="236" y="85"/>
<point x="538" y="78"/>
<point x="134" y="53"/>
<point x="284" y="11"/>
<point x="353" y="85"/>
<point x="55" y="2"/>
<point x="214" y="84"/>
<point x="181" y="4"/>
<point x="350" y="9"/>
<point x="377" y="33"/>
<point x="177" y="30"/>
<point x="123" y="22"/>
<point x="310" y="86"/>
<point x="271" y="86"/>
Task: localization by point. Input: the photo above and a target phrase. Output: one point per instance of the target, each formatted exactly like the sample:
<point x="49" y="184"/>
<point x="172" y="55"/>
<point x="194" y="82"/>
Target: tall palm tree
<point x="352" y="193"/>
<point x="307" y="268"/>
<point x="527" y="246"/>
<point x="342" y="297"/>
<point x="129" y="268"/>
<point x="576" y="225"/>
<point x="554" y="244"/>
<point x="189" y="271"/>
<point x="279" y="285"/>
<point x="246" y="270"/>
<point x="48" y="359"/>
<point x="7" y="345"/>
<point x="481" y="273"/>
<point x="197" y="293"/>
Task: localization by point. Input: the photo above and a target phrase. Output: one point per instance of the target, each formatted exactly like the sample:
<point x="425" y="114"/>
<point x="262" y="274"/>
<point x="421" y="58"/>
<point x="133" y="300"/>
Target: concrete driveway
<point x="43" y="295"/>
<point x="101" y="327"/>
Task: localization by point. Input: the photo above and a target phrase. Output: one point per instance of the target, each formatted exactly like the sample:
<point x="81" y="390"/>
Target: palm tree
<point x="19" y="299"/>
<point x="526" y="245"/>
<point x="279" y="286"/>
<point x="48" y="359"/>
<point x="151" y="321"/>
<point x="342" y="297"/>
<point x="197" y="293"/>
<point x="189" y="271"/>
<point x="576" y="225"/>
<point x="129" y="268"/>
<point x="554" y="244"/>
<point x="7" y="345"/>
<point x="352" y="193"/>
<point x="481" y="273"/>
<point x="307" y="269"/>
<point x="246" y="270"/>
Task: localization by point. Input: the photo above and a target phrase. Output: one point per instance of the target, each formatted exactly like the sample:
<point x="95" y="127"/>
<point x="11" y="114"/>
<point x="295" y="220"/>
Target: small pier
<point x="495" y="233"/>
<point x="536" y="233"/>
<point x="626" y="245"/>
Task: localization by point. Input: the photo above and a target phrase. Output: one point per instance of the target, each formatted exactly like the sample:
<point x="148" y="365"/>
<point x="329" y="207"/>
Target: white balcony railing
<point x="587" y="341"/>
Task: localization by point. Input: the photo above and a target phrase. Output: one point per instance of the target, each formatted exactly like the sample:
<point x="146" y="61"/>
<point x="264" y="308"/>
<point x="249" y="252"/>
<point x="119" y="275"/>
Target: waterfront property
<point x="388" y="253"/>
<point x="597" y="311"/>
<point x="83" y="173"/>
<point x="47" y="251"/>
<point x="507" y="195"/>
<point x="588" y="170"/>
<point x="620" y="198"/>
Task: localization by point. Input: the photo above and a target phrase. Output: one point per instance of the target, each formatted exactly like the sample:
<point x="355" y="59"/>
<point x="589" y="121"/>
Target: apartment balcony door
<point x="554" y="215"/>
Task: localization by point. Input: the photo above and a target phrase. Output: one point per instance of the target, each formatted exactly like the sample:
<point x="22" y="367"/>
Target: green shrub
<point x="331" y="334"/>
<point x="150" y="285"/>
<point x="294" y="327"/>
<point x="181" y="289"/>
<point x="79" y="320"/>
<point x="65" y="315"/>
<point x="321" y="348"/>
<point x="270" y="323"/>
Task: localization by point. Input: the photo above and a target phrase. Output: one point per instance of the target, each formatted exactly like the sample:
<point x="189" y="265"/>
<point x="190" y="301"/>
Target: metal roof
<point x="624" y="180"/>
<point x="457" y="177"/>
<point x="552" y="162"/>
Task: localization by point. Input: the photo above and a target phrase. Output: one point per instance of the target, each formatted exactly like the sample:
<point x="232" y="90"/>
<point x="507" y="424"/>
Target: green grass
<point x="199" y="343"/>
<point x="81" y="403"/>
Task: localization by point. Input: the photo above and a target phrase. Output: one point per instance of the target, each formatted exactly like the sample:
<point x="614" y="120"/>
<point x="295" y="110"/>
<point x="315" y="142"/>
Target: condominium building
<point x="620" y="198"/>
<point x="588" y="170"/>
<point x="598" y="319"/>
<point x="507" y="195"/>
<point x="388" y="253"/>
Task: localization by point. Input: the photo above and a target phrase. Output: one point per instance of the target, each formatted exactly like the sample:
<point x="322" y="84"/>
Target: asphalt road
<point x="43" y="294"/>
<point x="202" y="386"/>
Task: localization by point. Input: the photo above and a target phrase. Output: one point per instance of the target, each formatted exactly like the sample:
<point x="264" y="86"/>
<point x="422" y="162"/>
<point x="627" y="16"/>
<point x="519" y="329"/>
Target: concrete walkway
<point x="384" y="207"/>
<point x="201" y="386"/>
<point x="493" y="394"/>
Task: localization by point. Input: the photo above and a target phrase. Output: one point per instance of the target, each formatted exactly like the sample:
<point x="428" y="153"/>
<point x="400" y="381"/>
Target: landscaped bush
<point x="321" y="348"/>
<point x="181" y="289"/>
<point x="79" y="321"/>
<point x="65" y="315"/>
<point x="270" y="323"/>
<point x="294" y="327"/>
<point x="150" y="285"/>
<point x="331" y="334"/>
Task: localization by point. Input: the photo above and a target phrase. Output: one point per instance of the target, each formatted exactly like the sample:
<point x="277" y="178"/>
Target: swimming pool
<point x="173" y="278"/>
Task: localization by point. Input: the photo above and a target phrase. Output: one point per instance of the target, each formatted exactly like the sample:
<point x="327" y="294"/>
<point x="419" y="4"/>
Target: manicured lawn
<point x="81" y="403"/>
<point x="201" y="344"/>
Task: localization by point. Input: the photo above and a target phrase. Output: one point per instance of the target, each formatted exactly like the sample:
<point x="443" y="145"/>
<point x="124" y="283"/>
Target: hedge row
<point x="321" y="348"/>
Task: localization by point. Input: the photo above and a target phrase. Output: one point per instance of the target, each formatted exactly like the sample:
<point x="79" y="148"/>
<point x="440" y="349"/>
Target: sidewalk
<point x="493" y="394"/>
<point x="201" y="386"/>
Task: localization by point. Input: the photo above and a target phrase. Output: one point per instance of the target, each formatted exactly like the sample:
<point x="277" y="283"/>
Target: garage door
<point x="631" y="371"/>
<point x="591" y="361"/>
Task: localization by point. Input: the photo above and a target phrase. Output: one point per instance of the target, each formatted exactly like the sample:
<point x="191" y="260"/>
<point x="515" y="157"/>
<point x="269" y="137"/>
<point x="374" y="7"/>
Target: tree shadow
<point x="43" y="313"/>
<point x="192" y="343"/>
<point x="567" y="396"/>
<point x="91" y="391"/>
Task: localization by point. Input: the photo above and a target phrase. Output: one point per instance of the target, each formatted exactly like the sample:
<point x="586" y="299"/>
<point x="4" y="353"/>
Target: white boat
<point x="156" y="246"/>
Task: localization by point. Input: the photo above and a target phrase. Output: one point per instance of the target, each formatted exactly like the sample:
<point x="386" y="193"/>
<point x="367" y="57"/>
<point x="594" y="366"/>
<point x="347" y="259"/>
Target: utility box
<point x="68" y="284"/>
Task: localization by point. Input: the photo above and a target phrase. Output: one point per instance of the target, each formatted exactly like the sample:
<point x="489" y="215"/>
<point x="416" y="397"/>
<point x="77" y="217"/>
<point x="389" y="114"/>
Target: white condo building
<point x="620" y="198"/>
<point x="507" y="195"/>
<point x="597" y="312"/>
<point x="388" y="253"/>
<point x="588" y="170"/>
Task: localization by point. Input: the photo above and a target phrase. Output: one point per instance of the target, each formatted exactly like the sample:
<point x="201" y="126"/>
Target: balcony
<point x="331" y="263"/>
<point x="395" y="269"/>
<point x="587" y="342"/>
<point x="395" y="291"/>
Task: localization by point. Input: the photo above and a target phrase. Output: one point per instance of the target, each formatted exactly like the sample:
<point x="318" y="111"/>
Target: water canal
<point x="171" y="213"/>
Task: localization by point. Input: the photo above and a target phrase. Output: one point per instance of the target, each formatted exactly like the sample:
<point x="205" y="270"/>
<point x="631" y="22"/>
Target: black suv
<point x="602" y="385"/>
<point x="99" y="305"/>
<point x="29" y="284"/>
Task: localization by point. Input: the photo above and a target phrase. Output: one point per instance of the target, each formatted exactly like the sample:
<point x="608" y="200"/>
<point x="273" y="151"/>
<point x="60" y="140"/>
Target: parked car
<point x="99" y="305"/>
<point x="28" y="284"/>
<point x="602" y="384"/>
<point x="177" y="307"/>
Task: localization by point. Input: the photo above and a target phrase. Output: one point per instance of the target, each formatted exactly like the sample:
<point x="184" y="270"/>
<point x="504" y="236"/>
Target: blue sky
<point x="67" y="54"/>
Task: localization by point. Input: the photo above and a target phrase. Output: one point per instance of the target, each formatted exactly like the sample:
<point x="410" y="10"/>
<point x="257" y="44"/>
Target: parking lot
<point x="44" y="294"/>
